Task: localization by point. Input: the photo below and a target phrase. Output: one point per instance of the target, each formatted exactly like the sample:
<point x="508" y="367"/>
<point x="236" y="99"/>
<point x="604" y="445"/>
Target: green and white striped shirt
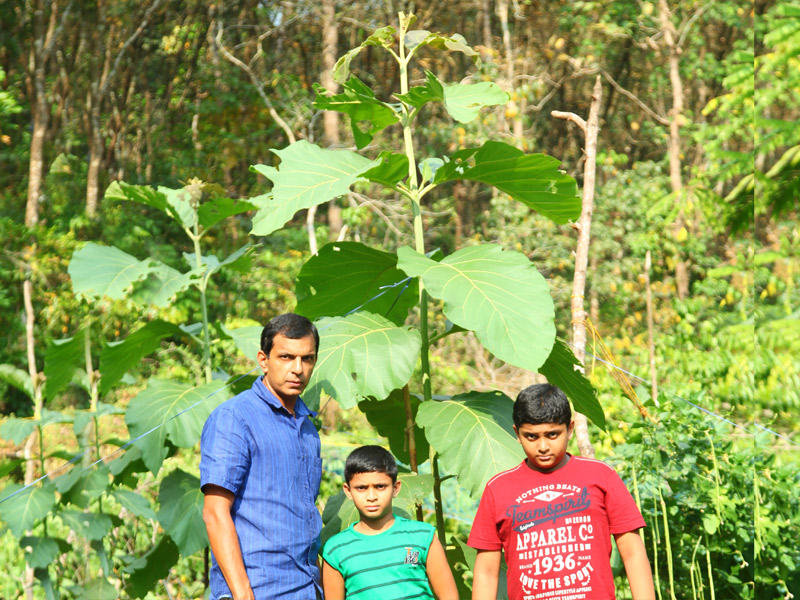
<point x="389" y="565"/>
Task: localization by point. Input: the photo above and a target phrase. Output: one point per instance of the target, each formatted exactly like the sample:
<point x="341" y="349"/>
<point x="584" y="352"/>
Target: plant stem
<point x="667" y="544"/>
<point x="437" y="496"/>
<point x="655" y="549"/>
<point x="203" y="304"/>
<point x="717" y="495"/>
<point x="693" y="571"/>
<point x="710" y="575"/>
<point x="419" y="240"/>
<point x="87" y="353"/>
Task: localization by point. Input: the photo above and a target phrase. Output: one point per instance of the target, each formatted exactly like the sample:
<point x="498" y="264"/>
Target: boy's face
<point x="372" y="494"/>
<point x="545" y="445"/>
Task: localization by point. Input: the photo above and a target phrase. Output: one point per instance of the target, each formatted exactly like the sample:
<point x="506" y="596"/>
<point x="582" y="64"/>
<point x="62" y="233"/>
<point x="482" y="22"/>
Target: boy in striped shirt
<point x="382" y="555"/>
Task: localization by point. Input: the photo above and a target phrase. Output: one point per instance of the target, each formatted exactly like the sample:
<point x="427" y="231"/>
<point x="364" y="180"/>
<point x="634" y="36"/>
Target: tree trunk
<point x="674" y="138"/>
<point x="584" y="225"/>
<point x="30" y="465"/>
<point x="96" y="147"/>
<point x="330" y="120"/>
<point x="486" y="25"/>
<point x="41" y="116"/>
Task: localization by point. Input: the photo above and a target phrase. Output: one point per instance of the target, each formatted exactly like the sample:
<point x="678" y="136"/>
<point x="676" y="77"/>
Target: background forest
<point x="139" y="138"/>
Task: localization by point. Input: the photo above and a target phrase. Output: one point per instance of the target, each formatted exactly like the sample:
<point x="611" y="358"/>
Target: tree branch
<point x="650" y="112"/>
<point x="258" y="85"/>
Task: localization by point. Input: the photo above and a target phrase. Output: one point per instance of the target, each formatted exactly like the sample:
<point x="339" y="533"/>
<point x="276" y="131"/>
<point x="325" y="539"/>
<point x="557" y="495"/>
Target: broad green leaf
<point x="414" y="489"/>
<point x="533" y="179"/>
<point x="62" y="359"/>
<point x="358" y="101"/>
<point x="247" y="339"/>
<point x="240" y="383"/>
<point x="144" y="194"/>
<point x="135" y="503"/>
<point x="212" y="212"/>
<point x="361" y="355"/>
<point x="154" y="565"/>
<point x="39" y="551"/>
<point x="338" y="514"/>
<point x="559" y="368"/>
<point x="181" y="513"/>
<point x="18" y="378"/>
<point x="117" y="357"/>
<point x="98" y="271"/>
<point x="392" y="169"/>
<point x="65" y="481"/>
<point x="89" y="525"/>
<point x="164" y="284"/>
<point x="43" y="575"/>
<point x="16" y="430"/>
<point x="495" y="293"/>
<point x="387" y="415"/>
<point x="21" y="511"/>
<point x="382" y="37"/>
<point x="9" y="465"/>
<point x="458" y="552"/>
<point x="345" y="276"/>
<point x="83" y="417"/>
<point x="170" y="409"/>
<point x="454" y="43"/>
<point x="181" y="202"/>
<point x="710" y="523"/>
<point x="96" y="589"/>
<point x="91" y="483"/>
<point x="473" y="434"/>
<point x="465" y="101"/>
<point x="308" y="176"/>
<point x="418" y="96"/>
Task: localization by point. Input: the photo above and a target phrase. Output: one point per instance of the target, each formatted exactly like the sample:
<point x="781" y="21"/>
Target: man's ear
<point x="346" y="489"/>
<point x="570" y="428"/>
<point x="396" y="488"/>
<point x="262" y="359"/>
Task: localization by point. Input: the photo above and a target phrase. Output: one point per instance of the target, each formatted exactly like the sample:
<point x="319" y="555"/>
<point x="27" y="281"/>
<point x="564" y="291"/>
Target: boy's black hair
<point x="370" y="459"/>
<point x="542" y="403"/>
<point x="289" y="325"/>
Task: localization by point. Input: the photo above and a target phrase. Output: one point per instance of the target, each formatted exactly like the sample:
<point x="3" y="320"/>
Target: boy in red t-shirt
<point x="554" y="514"/>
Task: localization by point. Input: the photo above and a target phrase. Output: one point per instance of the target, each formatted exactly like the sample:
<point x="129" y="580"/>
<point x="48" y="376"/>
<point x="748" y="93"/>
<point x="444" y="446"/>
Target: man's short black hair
<point x="542" y="403"/>
<point x="370" y="459"/>
<point x="289" y="325"/>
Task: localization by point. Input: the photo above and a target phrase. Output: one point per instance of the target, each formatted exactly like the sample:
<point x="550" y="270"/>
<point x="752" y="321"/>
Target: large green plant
<point x="90" y="498"/>
<point x="361" y="297"/>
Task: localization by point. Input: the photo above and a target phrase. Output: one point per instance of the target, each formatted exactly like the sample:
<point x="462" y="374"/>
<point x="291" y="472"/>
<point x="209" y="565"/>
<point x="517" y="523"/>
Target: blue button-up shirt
<point x="270" y="461"/>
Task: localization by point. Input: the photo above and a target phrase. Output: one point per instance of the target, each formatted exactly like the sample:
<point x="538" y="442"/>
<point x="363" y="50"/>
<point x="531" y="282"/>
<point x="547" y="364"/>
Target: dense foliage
<point x="151" y="101"/>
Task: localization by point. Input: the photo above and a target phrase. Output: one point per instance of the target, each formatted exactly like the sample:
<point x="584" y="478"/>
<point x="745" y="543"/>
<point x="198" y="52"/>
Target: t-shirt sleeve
<point x="623" y="514"/>
<point x="330" y="554"/>
<point x="224" y="450"/>
<point x="484" y="534"/>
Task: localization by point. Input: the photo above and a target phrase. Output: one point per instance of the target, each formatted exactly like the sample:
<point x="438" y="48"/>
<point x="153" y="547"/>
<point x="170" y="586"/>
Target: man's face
<point x="545" y="445"/>
<point x="288" y="367"/>
<point x="372" y="495"/>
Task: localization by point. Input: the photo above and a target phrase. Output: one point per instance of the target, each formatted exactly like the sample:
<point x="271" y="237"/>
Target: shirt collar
<point x="263" y="392"/>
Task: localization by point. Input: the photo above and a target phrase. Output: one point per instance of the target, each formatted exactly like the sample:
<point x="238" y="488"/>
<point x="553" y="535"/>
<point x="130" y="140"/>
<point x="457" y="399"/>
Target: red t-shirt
<point x="555" y="528"/>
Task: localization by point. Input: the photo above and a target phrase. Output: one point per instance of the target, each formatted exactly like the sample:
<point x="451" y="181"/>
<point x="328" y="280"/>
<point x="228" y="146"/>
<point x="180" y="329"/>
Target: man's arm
<point x="224" y="541"/>
<point x="637" y="566"/>
<point x="332" y="582"/>
<point x="439" y="574"/>
<point x="486" y="575"/>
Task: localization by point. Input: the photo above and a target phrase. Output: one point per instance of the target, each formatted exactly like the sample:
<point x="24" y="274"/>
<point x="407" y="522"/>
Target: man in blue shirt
<point x="260" y="471"/>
